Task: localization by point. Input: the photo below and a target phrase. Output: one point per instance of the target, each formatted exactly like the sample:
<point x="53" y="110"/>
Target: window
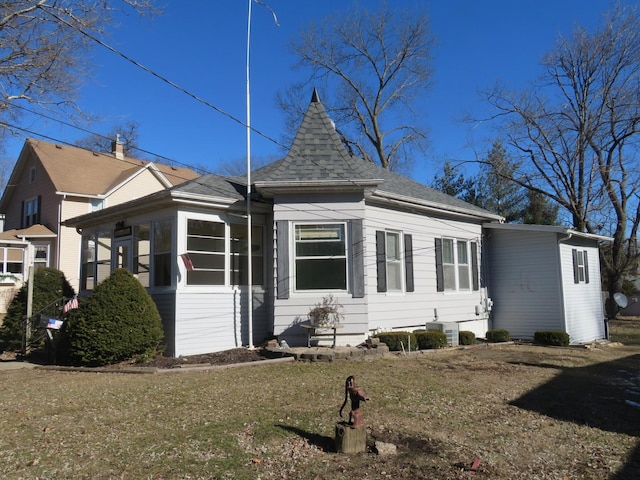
<point x="142" y="253"/>
<point x="206" y="248"/>
<point x="30" y="212"/>
<point x="580" y="266"/>
<point x="95" y="259"/>
<point x="320" y="257"/>
<point x="41" y="256"/>
<point x="239" y="266"/>
<point x="97" y="204"/>
<point x="11" y="260"/>
<point x="456" y="265"/>
<point x="394" y="259"/>
<point x="32" y="175"/>
<point x="162" y="239"/>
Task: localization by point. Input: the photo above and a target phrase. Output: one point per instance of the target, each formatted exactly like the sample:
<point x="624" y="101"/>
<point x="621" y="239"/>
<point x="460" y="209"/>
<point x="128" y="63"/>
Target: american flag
<point x="71" y="304"/>
<point x="188" y="264"/>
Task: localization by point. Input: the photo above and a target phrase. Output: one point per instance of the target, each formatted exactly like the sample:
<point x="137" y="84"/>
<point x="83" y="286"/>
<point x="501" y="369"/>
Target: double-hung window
<point x="320" y="256"/>
<point x="394" y="261"/>
<point x="580" y="266"/>
<point x="30" y="212"/>
<point x="456" y="265"/>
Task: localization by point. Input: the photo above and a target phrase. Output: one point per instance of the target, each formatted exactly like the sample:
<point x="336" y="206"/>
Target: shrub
<point x="498" y="335"/>
<point x="429" y="339"/>
<point x="466" y="338"/>
<point x="118" y="321"/>
<point x="396" y="340"/>
<point x="551" y="337"/>
<point x="49" y="286"/>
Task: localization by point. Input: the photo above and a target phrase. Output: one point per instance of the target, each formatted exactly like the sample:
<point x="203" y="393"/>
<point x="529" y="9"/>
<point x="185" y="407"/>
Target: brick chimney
<point x="117" y="148"/>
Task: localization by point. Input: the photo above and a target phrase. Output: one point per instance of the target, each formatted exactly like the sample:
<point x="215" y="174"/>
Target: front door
<point x="123" y="250"/>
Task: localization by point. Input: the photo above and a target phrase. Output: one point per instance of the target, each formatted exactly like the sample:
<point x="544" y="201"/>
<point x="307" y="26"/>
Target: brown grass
<point x="525" y="412"/>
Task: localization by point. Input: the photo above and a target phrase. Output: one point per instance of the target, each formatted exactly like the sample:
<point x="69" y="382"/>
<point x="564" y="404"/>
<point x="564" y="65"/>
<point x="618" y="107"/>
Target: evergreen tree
<point x="49" y="286"/>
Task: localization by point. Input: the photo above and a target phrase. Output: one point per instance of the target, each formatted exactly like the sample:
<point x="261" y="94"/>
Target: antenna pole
<point x="249" y="241"/>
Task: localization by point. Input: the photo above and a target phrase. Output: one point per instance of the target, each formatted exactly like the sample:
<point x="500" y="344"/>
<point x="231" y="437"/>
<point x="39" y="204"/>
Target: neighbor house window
<point x="320" y="257"/>
<point x="580" y="266"/>
<point x="41" y="256"/>
<point x="162" y="238"/>
<point x="30" y="212"/>
<point x="11" y="260"/>
<point x="456" y="265"/>
<point x="32" y="175"/>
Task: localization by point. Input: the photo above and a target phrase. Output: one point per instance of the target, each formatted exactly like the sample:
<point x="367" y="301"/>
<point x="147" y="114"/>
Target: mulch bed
<point x="227" y="357"/>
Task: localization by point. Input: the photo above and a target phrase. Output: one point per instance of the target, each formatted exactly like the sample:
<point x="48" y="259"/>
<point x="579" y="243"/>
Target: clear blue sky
<point x="201" y="45"/>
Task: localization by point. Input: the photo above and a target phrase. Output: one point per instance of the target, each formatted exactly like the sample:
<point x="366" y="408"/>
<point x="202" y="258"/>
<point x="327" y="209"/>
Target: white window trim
<point x="400" y="261"/>
<point x="457" y="265"/>
<point x="293" y="258"/>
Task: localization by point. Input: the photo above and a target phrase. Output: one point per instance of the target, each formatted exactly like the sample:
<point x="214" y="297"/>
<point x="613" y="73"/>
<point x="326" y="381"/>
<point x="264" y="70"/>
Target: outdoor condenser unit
<point x="450" y="329"/>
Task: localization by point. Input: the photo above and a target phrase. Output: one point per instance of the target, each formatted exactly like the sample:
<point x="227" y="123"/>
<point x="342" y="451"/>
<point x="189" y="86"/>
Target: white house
<point x="395" y="253"/>
<point x="544" y="278"/>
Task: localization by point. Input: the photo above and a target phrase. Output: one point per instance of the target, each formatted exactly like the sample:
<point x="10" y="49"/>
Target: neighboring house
<point x="395" y="253"/>
<point x="545" y="278"/>
<point x="52" y="182"/>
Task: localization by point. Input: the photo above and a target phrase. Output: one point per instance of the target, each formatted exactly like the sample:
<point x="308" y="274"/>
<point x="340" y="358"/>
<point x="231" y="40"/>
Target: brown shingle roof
<point x="76" y="170"/>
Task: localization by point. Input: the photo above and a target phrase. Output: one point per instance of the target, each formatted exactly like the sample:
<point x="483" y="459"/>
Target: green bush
<point x="466" y="338"/>
<point x="551" y="337"/>
<point x="117" y="322"/>
<point x="396" y="340"/>
<point x="429" y="339"/>
<point x="49" y="286"/>
<point x="497" y="335"/>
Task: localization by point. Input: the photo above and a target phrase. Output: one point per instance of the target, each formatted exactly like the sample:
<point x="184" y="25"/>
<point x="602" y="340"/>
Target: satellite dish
<point x="621" y="299"/>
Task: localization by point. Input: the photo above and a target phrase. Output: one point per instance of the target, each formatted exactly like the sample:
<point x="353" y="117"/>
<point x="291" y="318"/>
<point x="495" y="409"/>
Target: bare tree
<point x="127" y="132"/>
<point x="373" y="63"/>
<point x="578" y="133"/>
<point x="42" y="49"/>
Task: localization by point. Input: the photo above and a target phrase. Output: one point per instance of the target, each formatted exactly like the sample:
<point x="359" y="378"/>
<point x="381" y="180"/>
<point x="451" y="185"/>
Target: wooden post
<point x="349" y="439"/>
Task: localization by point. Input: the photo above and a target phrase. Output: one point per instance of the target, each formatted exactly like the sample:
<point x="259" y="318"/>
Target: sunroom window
<point x="206" y="248"/>
<point x="320" y="257"/>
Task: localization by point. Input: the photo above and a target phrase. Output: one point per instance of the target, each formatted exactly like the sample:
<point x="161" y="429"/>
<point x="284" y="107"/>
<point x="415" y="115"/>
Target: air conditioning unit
<point x="450" y="329"/>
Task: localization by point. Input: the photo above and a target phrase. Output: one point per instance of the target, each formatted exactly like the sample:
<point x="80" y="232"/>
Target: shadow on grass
<point x="326" y="444"/>
<point x="602" y="396"/>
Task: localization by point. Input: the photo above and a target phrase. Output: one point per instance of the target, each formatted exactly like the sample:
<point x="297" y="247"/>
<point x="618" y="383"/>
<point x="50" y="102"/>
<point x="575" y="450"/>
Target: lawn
<point x="525" y="412"/>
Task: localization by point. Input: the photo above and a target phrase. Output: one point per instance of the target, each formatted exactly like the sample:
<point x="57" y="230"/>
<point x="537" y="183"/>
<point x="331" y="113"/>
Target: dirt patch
<point x="227" y="357"/>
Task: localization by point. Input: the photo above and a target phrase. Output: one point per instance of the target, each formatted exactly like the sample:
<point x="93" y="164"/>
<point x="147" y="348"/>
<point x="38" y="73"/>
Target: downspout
<point x="564" y="313"/>
<point x="59" y="231"/>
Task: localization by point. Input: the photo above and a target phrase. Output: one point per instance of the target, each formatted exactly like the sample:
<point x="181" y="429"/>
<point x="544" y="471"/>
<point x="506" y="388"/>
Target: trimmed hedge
<point x="498" y="335"/>
<point x="49" y="285"/>
<point x="551" y="337"/>
<point x="466" y="338"/>
<point x="119" y="321"/>
<point x="396" y="340"/>
<point x="430" y="339"/>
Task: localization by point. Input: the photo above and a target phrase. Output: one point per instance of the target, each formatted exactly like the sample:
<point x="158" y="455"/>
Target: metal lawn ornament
<point x="356" y="395"/>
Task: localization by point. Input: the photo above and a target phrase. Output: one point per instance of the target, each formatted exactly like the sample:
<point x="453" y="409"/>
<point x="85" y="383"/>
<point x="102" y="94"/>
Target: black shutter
<point x="474" y="266"/>
<point x="576" y="275"/>
<point x="586" y="267"/>
<point x="282" y="232"/>
<point x="381" y="261"/>
<point x="22" y="225"/>
<point x="408" y="262"/>
<point x="439" y="267"/>
<point x="357" y="252"/>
